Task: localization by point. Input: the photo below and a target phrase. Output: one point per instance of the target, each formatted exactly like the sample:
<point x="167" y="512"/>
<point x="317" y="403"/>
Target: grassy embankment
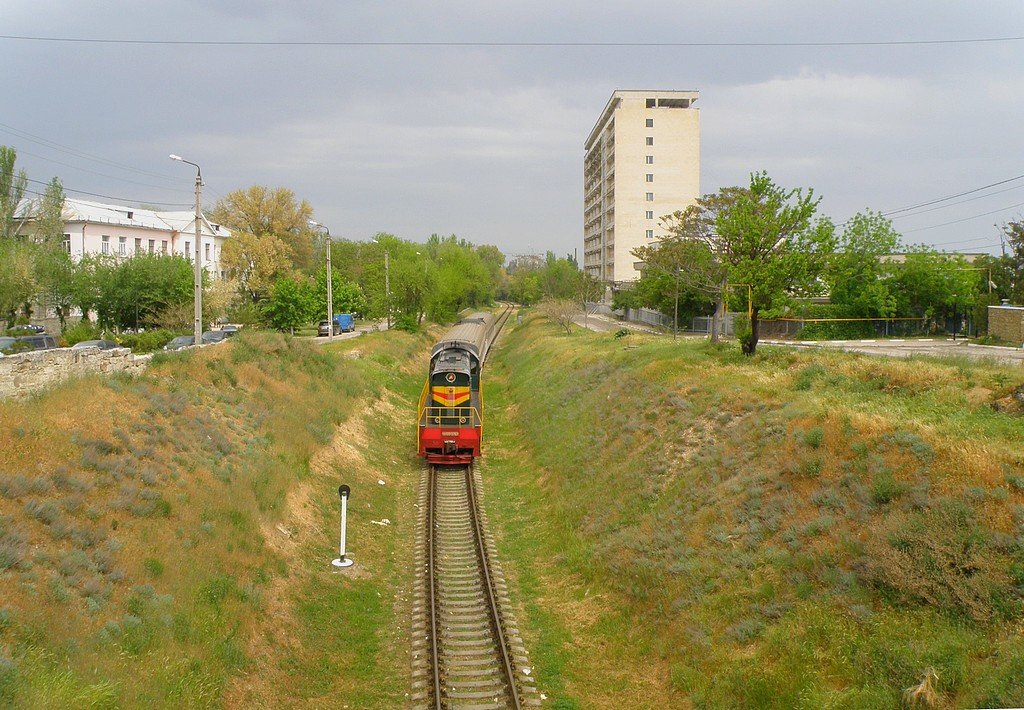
<point x="686" y="526"/>
<point x="165" y="540"/>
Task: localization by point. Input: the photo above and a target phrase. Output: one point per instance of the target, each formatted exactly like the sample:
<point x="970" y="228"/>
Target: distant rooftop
<point x="655" y="99"/>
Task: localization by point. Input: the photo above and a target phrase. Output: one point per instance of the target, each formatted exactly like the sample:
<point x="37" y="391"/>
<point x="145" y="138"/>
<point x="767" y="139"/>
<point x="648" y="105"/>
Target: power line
<point x="96" y="172"/>
<point x="960" y="202"/>
<point x="950" y="197"/>
<point x="965" y="219"/>
<point x="53" y="145"/>
<point x="380" y="43"/>
<point x="110" y="197"/>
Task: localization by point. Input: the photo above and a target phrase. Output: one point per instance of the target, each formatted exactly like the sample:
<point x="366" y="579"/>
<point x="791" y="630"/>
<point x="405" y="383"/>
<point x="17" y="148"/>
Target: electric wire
<point x="889" y="213"/>
<point x="499" y="44"/>
<point x="53" y="145"/>
<point x="965" y="219"/>
<point x="128" y="200"/>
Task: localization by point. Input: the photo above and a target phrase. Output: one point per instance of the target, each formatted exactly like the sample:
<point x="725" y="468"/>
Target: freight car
<point x="451" y="405"/>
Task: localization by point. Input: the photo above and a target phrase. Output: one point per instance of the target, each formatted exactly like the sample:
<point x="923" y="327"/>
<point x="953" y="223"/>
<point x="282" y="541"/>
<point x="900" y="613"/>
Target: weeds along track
<point x="467" y="652"/>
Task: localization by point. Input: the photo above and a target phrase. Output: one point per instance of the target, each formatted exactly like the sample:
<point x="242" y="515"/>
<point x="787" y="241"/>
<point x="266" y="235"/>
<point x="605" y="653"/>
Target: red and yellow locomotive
<point x="451" y="404"/>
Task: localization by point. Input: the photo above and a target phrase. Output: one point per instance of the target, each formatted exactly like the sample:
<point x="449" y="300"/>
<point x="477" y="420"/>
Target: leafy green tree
<point x="12" y="191"/>
<point x="857" y="273"/>
<point x="137" y="292"/>
<point x="769" y="240"/>
<point x="930" y="284"/>
<point x="1014" y="233"/>
<point x="347" y="296"/>
<point x="292" y="304"/>
<point x="524" y="286"/>
<point x="54" y="267"/>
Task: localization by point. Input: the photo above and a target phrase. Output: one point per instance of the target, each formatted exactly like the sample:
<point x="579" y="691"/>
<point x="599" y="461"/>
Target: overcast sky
<point x="487" y="142"/>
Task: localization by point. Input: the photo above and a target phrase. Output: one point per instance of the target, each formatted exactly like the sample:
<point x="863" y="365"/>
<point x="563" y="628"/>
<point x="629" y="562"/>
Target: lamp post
<point x="330" y="284"/>
<point x="198" y="298"/>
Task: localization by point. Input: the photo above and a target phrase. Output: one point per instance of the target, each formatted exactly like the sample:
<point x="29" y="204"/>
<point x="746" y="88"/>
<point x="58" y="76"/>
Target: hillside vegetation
<point x="165" y="540"/>
<point x="689" y="527"/>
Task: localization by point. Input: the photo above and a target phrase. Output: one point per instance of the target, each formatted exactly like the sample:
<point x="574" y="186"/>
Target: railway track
<point x="467" y="652"/>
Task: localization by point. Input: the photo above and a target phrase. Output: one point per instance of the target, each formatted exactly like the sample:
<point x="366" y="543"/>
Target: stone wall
<point x="1007" y="322"/>
<point x="23" y="374"/>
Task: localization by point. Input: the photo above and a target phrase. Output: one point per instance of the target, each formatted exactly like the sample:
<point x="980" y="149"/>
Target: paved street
<point x="937" y="347"/>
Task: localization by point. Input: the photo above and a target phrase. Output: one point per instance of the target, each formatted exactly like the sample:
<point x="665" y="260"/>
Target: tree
<point x="930" y="284"/>
<point x="561" y="311"/>
<point x="256" y="262"/>
<point x="857" y="275"/>
<point x="1014" y="232"/>
<point x="54" y="267"/>
<point x="769" y="242"/>
<point x="291" y="305"/>
<point x="261" y="211"/>
<point x="12" y="191"/>
<point x="348" y="296"/>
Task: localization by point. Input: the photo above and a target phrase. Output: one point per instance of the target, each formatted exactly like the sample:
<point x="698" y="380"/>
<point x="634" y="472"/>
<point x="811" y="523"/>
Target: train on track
<point x="450" y="418"/>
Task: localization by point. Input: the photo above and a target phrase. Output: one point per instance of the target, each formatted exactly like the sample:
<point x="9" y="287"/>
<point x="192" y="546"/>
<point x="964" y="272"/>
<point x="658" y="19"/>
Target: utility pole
<point x="198" y="273"/>
<point x="387" y="285"/>
<point x="330" y="283"/>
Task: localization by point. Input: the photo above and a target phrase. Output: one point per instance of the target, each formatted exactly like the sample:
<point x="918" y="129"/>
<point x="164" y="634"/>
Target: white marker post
<point x="341" y="562"/>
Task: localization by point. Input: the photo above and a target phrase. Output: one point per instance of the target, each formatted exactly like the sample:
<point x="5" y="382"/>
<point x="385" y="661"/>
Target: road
<point x="882" y="347"/>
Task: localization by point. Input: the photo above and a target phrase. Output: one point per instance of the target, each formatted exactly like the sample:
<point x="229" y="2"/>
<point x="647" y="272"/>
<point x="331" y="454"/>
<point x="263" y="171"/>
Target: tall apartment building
<point x="642" y="162"/>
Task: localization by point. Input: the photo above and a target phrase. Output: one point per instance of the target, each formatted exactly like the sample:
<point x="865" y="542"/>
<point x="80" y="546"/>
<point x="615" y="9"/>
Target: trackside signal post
<point x="342" y="561"/>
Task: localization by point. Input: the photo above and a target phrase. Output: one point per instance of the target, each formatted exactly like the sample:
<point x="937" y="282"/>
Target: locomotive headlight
<point x="437" y="420"/>
<point x="462" y="420"/>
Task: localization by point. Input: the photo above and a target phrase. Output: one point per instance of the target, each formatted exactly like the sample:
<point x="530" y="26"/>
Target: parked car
<point x="345" y="321"/>
<point x="101" y="344"/>
<point x="181" y="341"/>
<point x="26" y="329"/>
<point x="229" y="331"/>
<point x="214" y="336"/>
<point x="323" y="329"/>
<point x="34" y="342"/>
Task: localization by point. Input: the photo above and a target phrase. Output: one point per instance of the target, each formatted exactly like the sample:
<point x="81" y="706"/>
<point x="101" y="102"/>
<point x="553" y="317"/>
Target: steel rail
<point x="431" y="585"/>
<point x="496" y="620"/>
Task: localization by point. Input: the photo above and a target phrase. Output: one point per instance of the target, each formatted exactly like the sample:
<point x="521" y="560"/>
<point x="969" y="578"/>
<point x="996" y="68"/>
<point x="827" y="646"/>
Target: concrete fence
<point x="1007" y="322"/>
<point x="25" y="373"/>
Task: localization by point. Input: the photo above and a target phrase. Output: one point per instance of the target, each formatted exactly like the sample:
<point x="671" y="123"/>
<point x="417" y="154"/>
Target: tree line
<point x="765" y="248"/>
<point x="275" y="261"/>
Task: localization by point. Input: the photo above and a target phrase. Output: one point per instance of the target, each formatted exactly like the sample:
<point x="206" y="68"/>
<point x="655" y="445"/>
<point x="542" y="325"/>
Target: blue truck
<point x="345" y="321"/>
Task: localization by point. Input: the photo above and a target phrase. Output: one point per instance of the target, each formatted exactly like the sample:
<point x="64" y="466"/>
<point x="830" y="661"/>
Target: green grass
<point x="689" y="526"/>
<point x="146" y="567"/>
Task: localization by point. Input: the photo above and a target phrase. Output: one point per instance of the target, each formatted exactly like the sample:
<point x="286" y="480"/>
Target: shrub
<point x="805" y="378"/>
<point x="83" y="330"/>
<point x="814" y="437"/>
<point x="147" y="341"/>
<point x="885" y="488"/>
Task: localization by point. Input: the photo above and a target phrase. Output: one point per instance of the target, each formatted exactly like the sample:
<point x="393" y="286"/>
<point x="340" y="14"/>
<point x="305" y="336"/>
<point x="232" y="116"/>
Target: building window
<point x="66" y="243"/>
<point x="106" y="244"/>
<point x="207" y="247"/>
<point x="650" y="214"/>
<point x="122" y="245"/>
<point x="650" y="123"/>
<point x="188" y="250"/>
<point x="649" y="159"/>
<point x="138" y="245"/>
<point x="651" y="103"/>
<point x="650" y="177"/>
<point x="165" y="246"/>
<point x="650" y="140"/>
<point x="152" y="245"/>
<point x="650" y="197"/>
<point x="650" y="233"/>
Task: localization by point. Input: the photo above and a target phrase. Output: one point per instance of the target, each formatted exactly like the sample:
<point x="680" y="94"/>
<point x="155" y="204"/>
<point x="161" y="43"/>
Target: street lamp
<point x="330" y="285"/>
<point x="198" y="298"/>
